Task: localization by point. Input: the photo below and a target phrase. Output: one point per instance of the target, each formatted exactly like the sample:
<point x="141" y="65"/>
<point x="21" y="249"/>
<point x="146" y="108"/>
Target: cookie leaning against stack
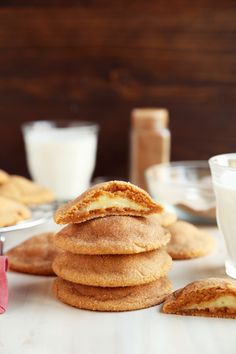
<point x="113" y="258"/>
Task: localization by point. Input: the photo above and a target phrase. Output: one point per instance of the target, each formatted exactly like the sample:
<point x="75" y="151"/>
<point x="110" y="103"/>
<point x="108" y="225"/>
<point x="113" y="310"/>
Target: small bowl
<point x="184" y="187"/>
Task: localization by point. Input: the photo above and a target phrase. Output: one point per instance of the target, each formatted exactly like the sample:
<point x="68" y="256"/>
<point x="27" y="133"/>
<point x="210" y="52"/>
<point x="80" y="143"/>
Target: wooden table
<point x="36" y="323"/>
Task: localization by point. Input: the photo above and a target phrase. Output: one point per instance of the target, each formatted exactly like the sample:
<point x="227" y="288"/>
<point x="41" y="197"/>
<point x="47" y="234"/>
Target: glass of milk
<point x="61" y="155"/>
<point x="223" y="170"/>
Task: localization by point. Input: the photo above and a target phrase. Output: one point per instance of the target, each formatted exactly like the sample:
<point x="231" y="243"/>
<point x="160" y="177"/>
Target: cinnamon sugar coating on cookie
<point x="11" y="212"/>
<point x="25" y="191"/>
<point x="112" y="299"/>
<point x="109" y="198"/>
<point x="187" y="241"/>
<point x="34" y="256"/>
<point x="112" y="270"/>
<point x="113" y="235"/>
<point x="211" y="297"/>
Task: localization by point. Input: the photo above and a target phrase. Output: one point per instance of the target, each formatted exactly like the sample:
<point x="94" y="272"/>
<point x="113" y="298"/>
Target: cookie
<point x="113" y="235"/>
<point x="34" y="256"/>
<point x="112" y="270"/>
<point x="187" y="241"/>
<point x="3" y="177"/>
<point x="104" y="199"/>
<point x="25" y="191"/>
<point x="112" y="299"/>
<point x="212" y="297"/>
<point x="166" y="218"/>
<point x="11" y="212"/>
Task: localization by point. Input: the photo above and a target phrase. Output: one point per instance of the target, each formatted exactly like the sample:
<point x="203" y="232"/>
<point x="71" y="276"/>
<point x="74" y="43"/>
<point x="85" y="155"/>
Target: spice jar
<point x="149" y="141"/>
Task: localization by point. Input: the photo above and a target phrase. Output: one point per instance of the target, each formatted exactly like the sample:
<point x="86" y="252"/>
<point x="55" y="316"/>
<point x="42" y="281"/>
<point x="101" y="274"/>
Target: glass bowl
<point x="184" y="187"/>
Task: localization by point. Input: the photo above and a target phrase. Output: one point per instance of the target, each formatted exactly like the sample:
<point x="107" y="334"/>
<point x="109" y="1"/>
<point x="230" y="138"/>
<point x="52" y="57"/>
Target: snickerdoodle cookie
<point x="25" y="191"/>
<point x="187" y="241"/>
<point x="4" y="176"/>
<point x="109" y="198"/>
<point x="113" y="235"/>
<point x="11" y="212"/>
<point x="166" y="218"/>
<point x="112" y="270"/>
<point x="212" y="297"/>
<point x="34" y="256"/>
<point x="112" y="299"/>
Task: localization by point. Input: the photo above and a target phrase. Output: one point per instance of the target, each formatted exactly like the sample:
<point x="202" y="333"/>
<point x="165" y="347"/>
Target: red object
<point x="3" y="284"/>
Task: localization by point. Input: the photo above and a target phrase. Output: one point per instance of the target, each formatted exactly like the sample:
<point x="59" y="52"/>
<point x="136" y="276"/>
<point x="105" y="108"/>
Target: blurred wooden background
<point x="96" y="60"/>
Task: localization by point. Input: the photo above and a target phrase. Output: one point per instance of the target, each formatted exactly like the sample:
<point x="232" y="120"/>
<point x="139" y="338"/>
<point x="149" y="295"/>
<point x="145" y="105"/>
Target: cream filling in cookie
<point x="222" y="301"/>
<point x="104" y="202"/>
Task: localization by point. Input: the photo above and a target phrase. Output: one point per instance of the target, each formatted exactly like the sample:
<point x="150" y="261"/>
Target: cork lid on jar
<point x="149" y="118"/>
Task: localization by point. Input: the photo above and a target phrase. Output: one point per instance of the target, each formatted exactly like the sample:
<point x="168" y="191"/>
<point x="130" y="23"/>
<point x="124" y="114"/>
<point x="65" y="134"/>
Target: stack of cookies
<point x="113" y="257"/>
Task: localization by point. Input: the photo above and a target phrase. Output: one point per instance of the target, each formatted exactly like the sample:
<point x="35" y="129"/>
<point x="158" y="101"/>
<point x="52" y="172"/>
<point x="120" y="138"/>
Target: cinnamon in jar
<point x="149" y="141"/>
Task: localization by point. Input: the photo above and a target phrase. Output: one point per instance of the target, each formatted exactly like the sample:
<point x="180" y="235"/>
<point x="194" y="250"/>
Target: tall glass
<point x="61" y="155"/>
<point x="223" y="170"/>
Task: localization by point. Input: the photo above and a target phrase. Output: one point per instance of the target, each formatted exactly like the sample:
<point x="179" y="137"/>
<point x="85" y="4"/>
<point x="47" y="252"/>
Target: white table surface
<point x="36" y="323"/>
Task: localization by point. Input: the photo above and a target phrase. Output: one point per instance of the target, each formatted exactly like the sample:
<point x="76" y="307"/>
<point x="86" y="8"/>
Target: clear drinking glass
<point x="61" y="155"/>
<point x="223" y="170"/>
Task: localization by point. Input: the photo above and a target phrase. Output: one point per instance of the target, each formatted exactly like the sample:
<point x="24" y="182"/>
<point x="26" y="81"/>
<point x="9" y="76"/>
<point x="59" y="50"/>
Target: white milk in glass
<point x="225" y="191"/>
<point x="62" y="159"/>
<point x="223" y="169"/>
